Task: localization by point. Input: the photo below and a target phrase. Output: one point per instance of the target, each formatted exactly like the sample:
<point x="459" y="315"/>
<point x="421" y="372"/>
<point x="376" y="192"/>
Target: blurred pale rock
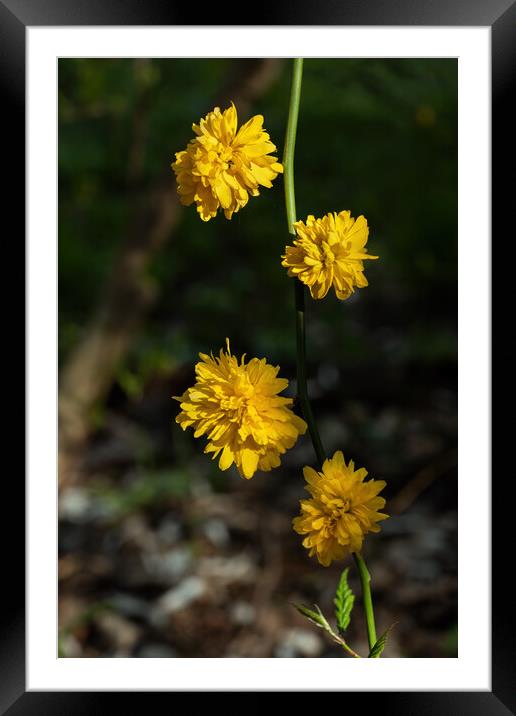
<point x="122" y="633"/>
<point x="169" y="530"/>
<point x="128" y="605"/>
<point x="76" y="505"/>
<point x="168" y="566"/>
<point x="70" y="647"/>
<point x="156" y="651"/>
<point x="240" y="568"/>
<point x="176" y="599"/>
<point x="216" y="532"/>
<point x="299" y="642"/>
<point x="242" y="613"/>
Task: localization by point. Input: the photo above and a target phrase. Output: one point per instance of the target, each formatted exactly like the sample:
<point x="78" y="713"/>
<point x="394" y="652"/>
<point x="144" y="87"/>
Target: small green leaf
<point x="378" y="648"/>
<point x="344" y="601"/>
<point x="315" y="617"/>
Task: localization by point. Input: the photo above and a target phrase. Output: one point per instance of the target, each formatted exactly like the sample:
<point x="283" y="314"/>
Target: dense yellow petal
<point x="341" y="511"/>
<point x="248" y="462"/>
<point x="223" y="165"/>
<point x="329" y="252"/>
<point x="226" y="458"/>
<point x="237" y="407"/>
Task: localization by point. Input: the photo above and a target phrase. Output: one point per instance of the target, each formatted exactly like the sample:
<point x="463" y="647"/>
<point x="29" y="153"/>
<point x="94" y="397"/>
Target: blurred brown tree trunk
<point x="128" y="294"/>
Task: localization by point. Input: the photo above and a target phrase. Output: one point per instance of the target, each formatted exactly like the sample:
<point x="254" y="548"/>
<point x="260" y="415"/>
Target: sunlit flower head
<point x="237" y="406"/>
<point x="329" y="252"/>
<point x="342" y="509"/>
<point x="222" y="165"/>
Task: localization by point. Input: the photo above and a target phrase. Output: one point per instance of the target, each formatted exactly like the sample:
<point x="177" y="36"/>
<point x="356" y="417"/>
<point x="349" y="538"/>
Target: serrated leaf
<point x="378" y="648"/>
<point x="315" y="617"/>
<point x="344" y="601"/>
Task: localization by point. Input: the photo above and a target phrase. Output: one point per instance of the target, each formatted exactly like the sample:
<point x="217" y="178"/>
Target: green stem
<point x="350" y="651"/>
<point x="302" y="389"/>
<point x="290" y="202"/>
<point x="365" y="581"/>
<point x="290" y="144"/>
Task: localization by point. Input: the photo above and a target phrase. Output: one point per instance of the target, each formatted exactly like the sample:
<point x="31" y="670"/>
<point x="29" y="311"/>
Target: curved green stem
<point x="302" y="389"/>
<point x="365" y="582"/>
<point x="290" y="144"/>
<point x="290" y="202"/>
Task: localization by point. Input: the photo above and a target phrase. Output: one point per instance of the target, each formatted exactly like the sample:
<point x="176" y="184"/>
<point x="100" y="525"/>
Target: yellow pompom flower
<point x="329" y="252"/>
<point x="341" y="511"/>
<point x="237" y="406"/>
<point x="222" y="166"/>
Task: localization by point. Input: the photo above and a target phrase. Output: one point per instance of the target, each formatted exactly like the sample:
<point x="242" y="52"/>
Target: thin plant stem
<point x="302" y="389"/>
<point x="350" y="651"/>
<point x="365" y="582"/>
<point x="290" y="202"/>
<point x="290" y="144"/>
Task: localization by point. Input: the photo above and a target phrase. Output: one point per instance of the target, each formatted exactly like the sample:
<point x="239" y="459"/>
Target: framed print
<point x="207" y="337"/>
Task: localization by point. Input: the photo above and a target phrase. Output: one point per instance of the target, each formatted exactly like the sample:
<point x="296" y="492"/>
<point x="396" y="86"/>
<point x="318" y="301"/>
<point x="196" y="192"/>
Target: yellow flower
<point x="238" y="408"/>
<point x="341" y="511"/>
<point x="222" y="166"/>
<point x="329" y="252"/>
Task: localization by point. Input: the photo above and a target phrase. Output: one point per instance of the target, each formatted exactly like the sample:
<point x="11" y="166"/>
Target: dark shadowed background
<point x="161" y="554"/>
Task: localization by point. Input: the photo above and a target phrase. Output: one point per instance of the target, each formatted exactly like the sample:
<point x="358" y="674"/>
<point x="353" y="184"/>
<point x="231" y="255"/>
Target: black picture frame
<point x="15" y="17"/>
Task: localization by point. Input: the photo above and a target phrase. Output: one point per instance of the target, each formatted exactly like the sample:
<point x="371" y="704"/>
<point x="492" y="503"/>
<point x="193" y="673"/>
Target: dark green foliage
<point x="375" y="136"/>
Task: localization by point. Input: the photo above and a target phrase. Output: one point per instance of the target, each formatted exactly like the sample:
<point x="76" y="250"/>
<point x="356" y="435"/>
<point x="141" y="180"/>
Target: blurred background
<point x="160" y="553"/>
